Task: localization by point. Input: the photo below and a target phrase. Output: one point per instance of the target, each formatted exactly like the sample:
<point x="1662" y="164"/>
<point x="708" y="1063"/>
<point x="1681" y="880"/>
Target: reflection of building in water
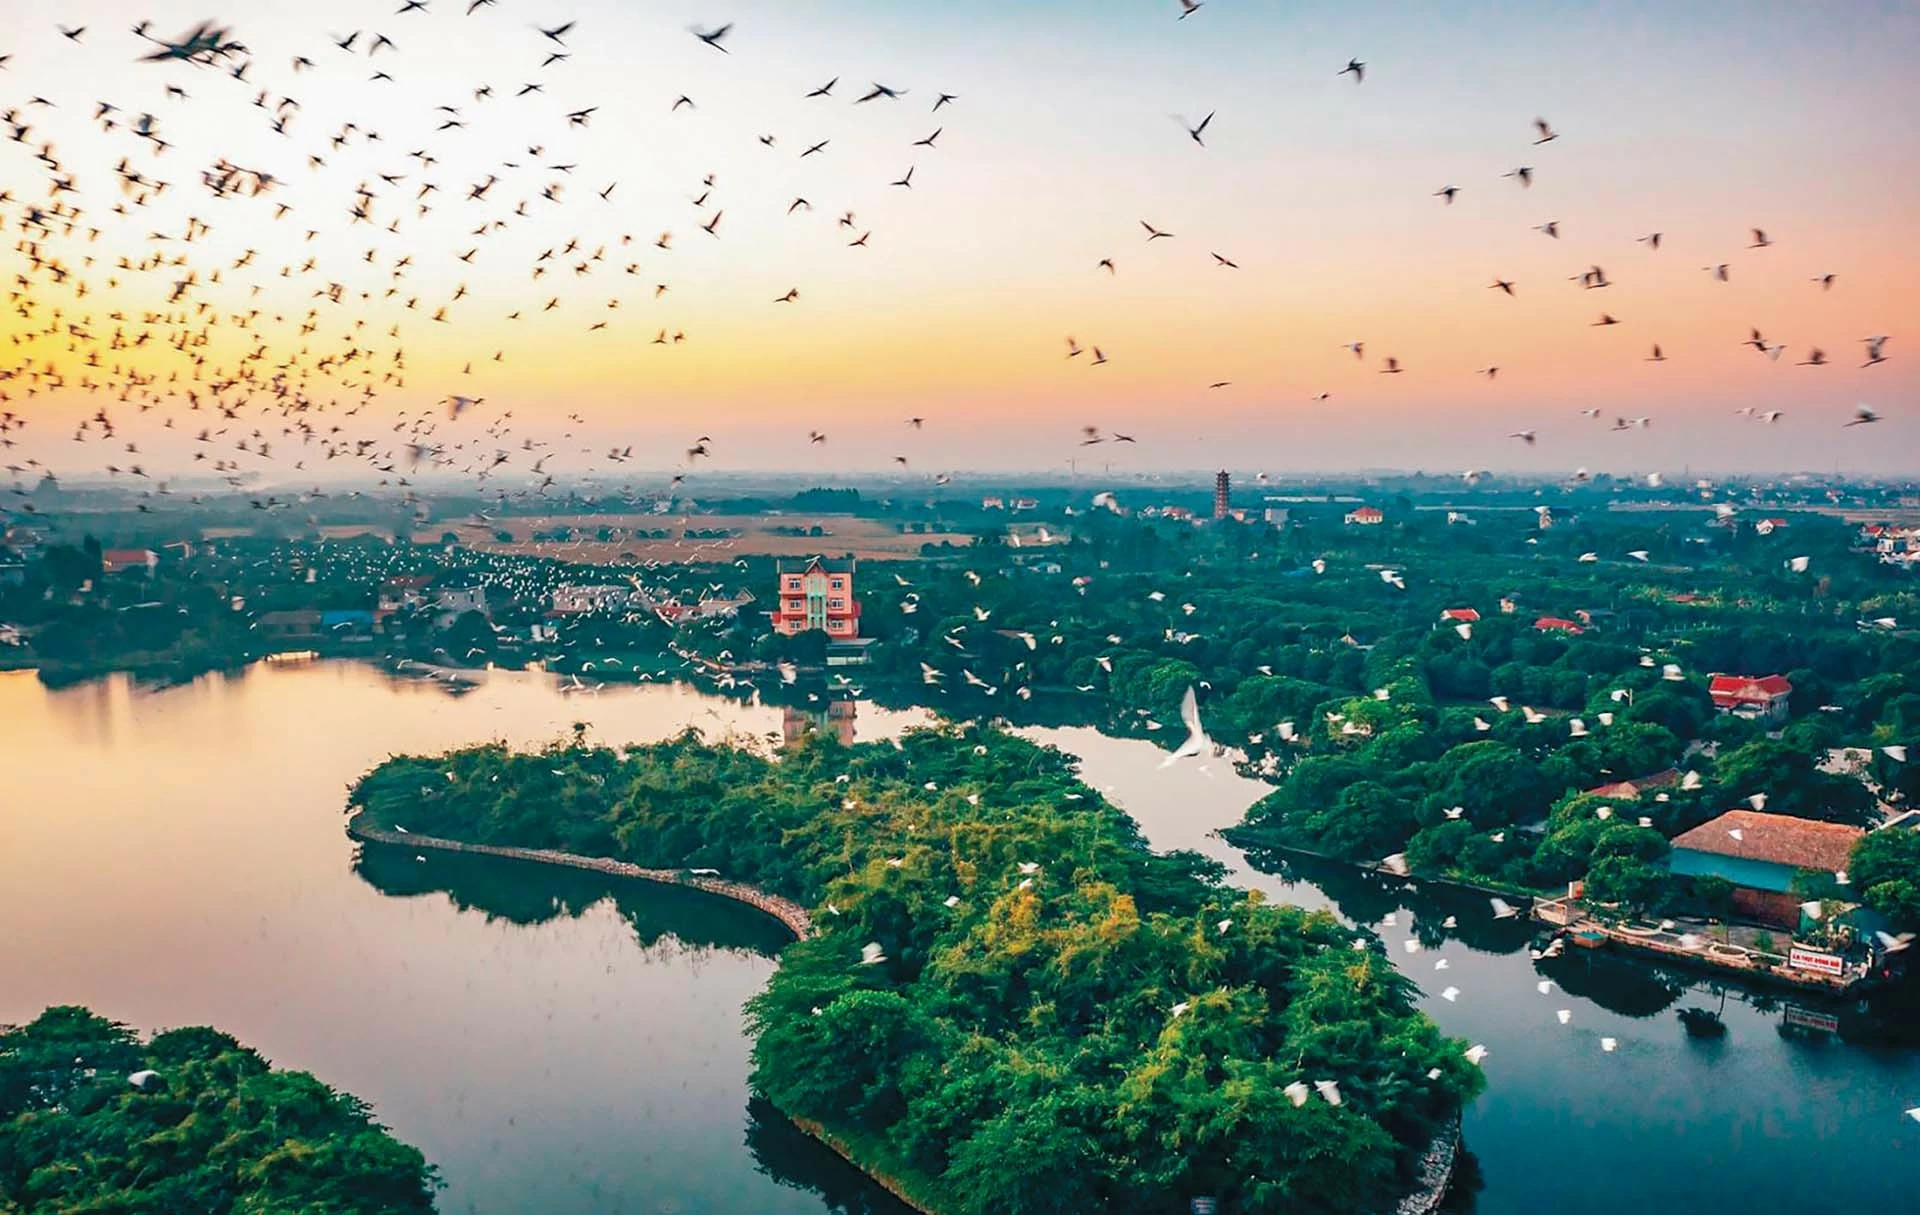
<point x="837" y="716"/>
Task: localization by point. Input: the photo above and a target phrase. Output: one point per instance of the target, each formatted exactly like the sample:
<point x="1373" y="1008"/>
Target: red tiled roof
<point x="1750" y="687"/>
<point x="1778" y="839"/>
<point x="1638" y="785"/>
<point x="1555" y="623"/>
<point x="1466" y="614"/>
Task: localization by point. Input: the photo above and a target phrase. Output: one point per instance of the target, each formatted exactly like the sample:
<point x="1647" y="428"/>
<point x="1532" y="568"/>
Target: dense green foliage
<point x="1019" y="1050"/>
<point x="215" y="1131"/>
<point x="1886" y="870"/>
<point x="1468" y="750"/>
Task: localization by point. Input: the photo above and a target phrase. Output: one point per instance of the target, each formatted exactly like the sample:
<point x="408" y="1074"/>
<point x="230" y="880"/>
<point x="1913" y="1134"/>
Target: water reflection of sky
<point x="559" y="1049"/>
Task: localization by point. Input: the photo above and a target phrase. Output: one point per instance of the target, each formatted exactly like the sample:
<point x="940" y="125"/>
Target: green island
<point x="94" y="1120"/>
<point x="1011" y="1004"/>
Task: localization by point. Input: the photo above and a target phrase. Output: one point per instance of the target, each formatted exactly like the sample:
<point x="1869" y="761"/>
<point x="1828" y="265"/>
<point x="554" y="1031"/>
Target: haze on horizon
<point x="1061" y="140"/>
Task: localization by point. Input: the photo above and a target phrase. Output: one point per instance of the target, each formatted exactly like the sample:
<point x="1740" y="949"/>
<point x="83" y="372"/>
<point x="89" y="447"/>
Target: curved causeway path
<point x="788" y="912"/>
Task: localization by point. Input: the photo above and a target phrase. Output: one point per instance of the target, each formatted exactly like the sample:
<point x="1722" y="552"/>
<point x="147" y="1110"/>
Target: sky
<point x="1067" y="131"/>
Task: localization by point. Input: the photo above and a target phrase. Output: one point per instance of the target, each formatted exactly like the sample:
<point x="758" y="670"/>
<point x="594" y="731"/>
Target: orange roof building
<point x="1761" y="854"/>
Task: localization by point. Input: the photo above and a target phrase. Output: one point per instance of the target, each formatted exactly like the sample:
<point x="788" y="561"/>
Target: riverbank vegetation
<point x="1012" y="1005"/>
<point x="92" y="1119"/>
<point x="1513" y="699"/>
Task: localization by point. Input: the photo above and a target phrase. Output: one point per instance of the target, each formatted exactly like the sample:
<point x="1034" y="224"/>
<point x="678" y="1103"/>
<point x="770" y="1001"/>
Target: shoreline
<point x="792" y="915"/>
<point x="1437" y="1166"/>
<point x="1712" y="957"/>
<point x="818" y="1132"/>
<point x="1437" y="1162"/>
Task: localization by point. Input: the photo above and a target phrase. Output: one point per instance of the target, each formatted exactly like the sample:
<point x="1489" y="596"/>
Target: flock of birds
<point x="273" y="359"/>
<point x="282" y="389"/>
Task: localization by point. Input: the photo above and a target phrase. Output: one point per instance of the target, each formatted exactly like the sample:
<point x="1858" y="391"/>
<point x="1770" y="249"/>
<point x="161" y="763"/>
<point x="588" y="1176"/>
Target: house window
<point x="836" y="604"/>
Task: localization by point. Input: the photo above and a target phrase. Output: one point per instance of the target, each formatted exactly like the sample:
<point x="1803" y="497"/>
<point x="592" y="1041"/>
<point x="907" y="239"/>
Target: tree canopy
<point x="1011" y="999"/>
<point x="213" y="1130"/>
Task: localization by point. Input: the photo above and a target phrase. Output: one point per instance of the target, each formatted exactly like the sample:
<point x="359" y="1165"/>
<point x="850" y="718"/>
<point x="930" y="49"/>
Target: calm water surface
<point x="552" y="1043"/>
<point x="558" y="1043"/>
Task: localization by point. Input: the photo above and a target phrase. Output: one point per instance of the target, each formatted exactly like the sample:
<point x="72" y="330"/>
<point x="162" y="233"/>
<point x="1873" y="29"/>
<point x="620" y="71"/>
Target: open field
<point x="756" y="535"/>
<point x="1902" y="516"/>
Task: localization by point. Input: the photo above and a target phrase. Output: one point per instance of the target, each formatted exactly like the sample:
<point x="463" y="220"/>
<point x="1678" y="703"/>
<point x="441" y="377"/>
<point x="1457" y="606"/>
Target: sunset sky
<point x="1699" y="121"/>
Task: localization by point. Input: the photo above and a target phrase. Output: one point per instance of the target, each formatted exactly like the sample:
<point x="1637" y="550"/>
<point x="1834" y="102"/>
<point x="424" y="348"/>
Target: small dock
<point x="1586" y="931"/>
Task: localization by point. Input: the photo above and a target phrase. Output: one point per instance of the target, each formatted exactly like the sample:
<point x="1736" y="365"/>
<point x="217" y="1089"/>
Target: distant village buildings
<point x="125" y="560"/>
<point x="454" y="600"/>
<point x="1893" y="544"/>
<point x="401" y="594"/>
<point x="572" y="600"/>
<point x="1366" y="516"/>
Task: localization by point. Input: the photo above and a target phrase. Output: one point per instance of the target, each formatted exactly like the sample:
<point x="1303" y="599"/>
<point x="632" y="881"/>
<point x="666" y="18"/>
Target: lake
<point x="556" y="1042"/>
